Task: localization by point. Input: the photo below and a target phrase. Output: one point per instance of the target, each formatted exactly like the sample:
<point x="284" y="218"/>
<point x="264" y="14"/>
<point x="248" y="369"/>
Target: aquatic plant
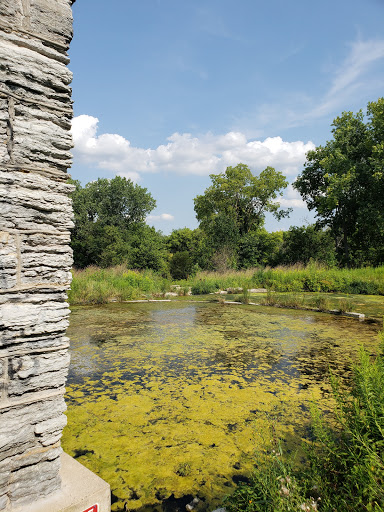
<point x="345" y="304"/>
<point x="154" y="387"/>
<point x="344" y="468"/>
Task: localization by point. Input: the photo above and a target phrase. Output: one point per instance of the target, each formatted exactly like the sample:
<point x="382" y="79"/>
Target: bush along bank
<point x="315" y="278"/>
<point x="95" y="285"/>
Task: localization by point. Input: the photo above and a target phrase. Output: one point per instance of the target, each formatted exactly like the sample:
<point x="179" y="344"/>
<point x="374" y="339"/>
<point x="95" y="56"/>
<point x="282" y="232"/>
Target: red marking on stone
<point x="94" y="508"/>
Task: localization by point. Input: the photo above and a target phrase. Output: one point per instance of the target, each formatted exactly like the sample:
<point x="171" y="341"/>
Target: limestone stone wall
<point x="35" y="258"/>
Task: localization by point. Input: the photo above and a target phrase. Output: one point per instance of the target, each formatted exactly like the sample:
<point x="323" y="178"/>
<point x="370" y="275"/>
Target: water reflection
<point x="168" y="400"/>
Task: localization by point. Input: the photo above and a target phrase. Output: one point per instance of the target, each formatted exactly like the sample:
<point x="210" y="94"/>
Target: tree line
<point x="342" y="182"/>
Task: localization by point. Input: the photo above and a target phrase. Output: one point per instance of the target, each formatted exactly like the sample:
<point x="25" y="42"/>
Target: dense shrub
<point x="204" y="287"/>
<point x="181" y="265"/>
<point x="95" y="285"/>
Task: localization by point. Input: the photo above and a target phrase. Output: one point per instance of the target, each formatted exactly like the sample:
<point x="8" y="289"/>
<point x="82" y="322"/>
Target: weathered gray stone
<point x="3" y="502"/>
<point x="35" y="455"/>
<point x="52" y="21"/>
<point x="3" y="129"/>
<point x="8" y="260"/>
<point x="26" y="319"/>
<point x="49" y="142"/>
<point x="14" y="443"/>
<point x="34" y="203"/>
<point x="14" y="417"/>
<point x="11" y="13"/>
<point x="33" y="482"/>
<point x="50" y="431"/>
<point x="30" y="75"/>
<point x="35" y="257"/>
<point x="38" y="372"/>
<point x="35" y="295"/>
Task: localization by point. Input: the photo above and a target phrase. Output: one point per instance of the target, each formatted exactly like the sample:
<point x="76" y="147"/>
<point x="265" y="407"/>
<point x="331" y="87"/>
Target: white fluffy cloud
<point x="162" y="216"/>
<point x="183" y="153"/>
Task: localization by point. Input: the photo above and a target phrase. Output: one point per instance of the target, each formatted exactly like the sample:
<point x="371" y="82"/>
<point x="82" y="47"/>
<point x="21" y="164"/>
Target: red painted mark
<point x="94" y="508"/>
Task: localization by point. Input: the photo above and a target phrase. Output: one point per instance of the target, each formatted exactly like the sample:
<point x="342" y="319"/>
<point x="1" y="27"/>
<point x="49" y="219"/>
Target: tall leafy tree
<point x="114" y="202"/>
<point x="236" y="202"/>
<point x="343" y="182"/>
<point x="110" y="225"/>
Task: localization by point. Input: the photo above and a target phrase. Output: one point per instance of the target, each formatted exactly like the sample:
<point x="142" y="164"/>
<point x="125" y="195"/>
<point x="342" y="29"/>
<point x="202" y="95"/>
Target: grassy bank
<point x="298" y="278"/>
<point x="97" y="286"/>
<point x="344" y="466"/>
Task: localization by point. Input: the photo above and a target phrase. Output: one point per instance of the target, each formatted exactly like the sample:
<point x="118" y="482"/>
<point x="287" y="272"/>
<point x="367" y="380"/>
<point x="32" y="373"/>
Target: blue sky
<point x="167" y="92"/>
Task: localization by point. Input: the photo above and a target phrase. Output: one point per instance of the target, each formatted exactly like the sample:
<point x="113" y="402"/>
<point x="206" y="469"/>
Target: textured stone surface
<point x="28" y="374"/>
<point x="34" y="203"/>
<point x="35" y="257"/>
<point x="8" y="260"/>
<point x="45" y="481"/>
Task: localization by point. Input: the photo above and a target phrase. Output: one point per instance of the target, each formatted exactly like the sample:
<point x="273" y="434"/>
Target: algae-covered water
<point x="167" y="401"/>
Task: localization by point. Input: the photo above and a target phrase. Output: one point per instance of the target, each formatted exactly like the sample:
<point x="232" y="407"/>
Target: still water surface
<point x="169" y="400"/>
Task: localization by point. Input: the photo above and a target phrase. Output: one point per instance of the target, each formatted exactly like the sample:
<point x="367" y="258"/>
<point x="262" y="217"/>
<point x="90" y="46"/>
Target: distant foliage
<point x="315" y="278"/>
<point x="95" y="285"/>
<point x="236" y="203"/>
<point x="306" y="243"/>
<point x="181" y="265"/>
<point x="259" y="248"/>
<point x="342" y="182"/>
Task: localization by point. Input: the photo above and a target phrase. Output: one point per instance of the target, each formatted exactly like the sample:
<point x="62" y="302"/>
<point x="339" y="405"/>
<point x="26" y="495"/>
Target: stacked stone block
<point x="35" y="257"/>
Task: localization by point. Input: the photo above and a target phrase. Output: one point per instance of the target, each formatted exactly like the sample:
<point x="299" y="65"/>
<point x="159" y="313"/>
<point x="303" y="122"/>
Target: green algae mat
<point x="167" y="401"/>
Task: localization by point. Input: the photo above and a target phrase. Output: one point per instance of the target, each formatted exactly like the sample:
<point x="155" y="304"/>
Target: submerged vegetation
<point x="172" y="399"/>
<point x="344" y="465"/>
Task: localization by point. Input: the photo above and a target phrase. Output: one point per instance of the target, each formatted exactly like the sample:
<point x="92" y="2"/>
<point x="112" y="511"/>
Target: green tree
<point x="236" y="202"/>
<point x="181" y="265"/>
<point x="147" y="248"/>
<point x="110" y="225"/>
<point x="343" y="182"/>
<point x="115" y="202"/>
<point x="305" y="243"/>
<point x="183" y="239"/>
<point x="259" y="248"/>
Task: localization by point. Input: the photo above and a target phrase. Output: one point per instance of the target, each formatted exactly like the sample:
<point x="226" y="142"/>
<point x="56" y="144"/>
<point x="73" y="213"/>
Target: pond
<point x="167" y="401"/>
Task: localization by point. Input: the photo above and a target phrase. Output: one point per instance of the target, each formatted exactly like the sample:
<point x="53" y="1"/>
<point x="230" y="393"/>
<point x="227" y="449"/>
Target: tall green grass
<point x="300" y="301"/>
<point x="315" y="278"/>
<point x="209" y="282"/>
<point x="298" y="278"/>
<point x="95" y="285"/>
<point x="344" y="467"/>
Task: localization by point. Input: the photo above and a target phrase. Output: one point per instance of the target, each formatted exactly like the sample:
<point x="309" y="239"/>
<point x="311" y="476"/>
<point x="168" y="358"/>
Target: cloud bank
<point x="183" y="154"/>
